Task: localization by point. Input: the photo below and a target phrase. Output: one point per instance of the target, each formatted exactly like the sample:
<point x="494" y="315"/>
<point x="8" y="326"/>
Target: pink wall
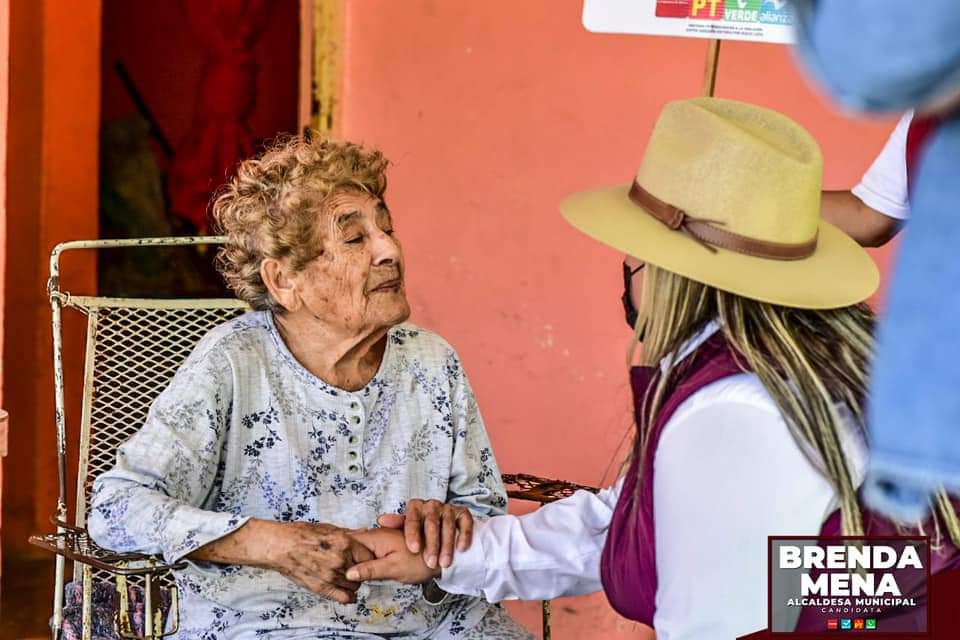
<point x="492" y="112"/>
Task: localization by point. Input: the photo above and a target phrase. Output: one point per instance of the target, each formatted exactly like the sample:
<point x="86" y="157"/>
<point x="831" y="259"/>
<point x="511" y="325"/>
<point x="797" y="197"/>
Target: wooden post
<point x="305" y="101"/>
<point x="710" y="75"/>
<point x="328" y="19"/>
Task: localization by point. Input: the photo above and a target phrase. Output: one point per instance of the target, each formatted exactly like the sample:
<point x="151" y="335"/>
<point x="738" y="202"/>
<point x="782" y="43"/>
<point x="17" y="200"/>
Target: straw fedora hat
<point x="729" y="195"/>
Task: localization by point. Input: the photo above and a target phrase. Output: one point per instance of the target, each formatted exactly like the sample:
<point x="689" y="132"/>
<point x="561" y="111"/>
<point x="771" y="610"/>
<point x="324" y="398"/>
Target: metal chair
<point x="542" y="491"/>
<point x="133" y="348"/>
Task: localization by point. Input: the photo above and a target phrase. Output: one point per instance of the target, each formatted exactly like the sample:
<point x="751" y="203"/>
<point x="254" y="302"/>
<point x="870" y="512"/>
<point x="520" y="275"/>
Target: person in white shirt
<point x="873" y="212"/>
<point x="750" y="417"/>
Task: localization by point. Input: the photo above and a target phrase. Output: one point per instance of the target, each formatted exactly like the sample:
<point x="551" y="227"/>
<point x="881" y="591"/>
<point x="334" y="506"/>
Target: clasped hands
<point x="410" y="548"/>
<point x="414" y="547"/>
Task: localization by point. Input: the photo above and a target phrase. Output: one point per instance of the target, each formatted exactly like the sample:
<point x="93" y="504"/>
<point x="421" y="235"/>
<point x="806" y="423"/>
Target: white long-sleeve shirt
<point x="727" y="474"/>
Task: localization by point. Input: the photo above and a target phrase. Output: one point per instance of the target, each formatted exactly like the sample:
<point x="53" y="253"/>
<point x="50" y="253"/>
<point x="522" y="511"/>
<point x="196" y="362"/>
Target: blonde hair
<point x="809" y="361"/>
<point x="269" y="208"/>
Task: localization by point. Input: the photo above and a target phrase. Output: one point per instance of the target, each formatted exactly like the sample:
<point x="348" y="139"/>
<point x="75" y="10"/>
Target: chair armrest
<point x="541" y="490"/>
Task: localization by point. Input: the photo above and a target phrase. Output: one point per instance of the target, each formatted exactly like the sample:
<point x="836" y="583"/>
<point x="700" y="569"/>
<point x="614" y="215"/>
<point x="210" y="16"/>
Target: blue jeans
<point x="914" y="415"/>
<point x="880" y="55"/>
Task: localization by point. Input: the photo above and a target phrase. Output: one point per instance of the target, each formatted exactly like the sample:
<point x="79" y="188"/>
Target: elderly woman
<point x="294" y="425"/>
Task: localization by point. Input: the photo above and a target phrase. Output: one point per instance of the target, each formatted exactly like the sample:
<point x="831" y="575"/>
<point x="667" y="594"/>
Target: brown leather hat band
<point x="711" y="237"/>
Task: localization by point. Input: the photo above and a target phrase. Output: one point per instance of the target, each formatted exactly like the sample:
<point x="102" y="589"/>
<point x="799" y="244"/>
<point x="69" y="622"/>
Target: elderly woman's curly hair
<point x="270" y="208"/>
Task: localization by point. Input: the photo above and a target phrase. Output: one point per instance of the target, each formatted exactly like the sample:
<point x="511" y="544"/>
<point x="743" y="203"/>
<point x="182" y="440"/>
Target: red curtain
<point x="219" y="136"/>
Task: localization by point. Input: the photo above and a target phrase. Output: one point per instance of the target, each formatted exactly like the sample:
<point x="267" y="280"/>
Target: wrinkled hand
<point x="394" y="561"/>
<point x="433" y="527"/>
<point x="317" y="557"/>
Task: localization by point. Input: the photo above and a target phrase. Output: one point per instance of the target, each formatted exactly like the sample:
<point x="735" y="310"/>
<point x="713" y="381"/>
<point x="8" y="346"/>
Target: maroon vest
<point x="918" y="135"/>
<point x="628" y="566"/>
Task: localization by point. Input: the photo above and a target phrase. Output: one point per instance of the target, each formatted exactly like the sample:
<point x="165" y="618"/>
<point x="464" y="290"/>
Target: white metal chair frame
<point x="133" y="348"/>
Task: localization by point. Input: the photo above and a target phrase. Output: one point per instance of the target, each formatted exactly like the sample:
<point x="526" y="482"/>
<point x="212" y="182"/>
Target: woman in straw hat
<point x="749" y="411"/>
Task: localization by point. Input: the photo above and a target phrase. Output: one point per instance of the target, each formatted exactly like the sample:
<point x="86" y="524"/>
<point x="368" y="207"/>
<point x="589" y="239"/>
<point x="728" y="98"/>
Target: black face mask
<point x="629" y="310"/>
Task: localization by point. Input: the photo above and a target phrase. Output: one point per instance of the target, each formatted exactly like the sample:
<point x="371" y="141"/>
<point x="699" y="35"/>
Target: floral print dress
<point x="244" y="431"/>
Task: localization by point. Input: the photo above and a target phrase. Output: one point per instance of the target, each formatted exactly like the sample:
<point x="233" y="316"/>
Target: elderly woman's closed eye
<point x="290" y="429"/>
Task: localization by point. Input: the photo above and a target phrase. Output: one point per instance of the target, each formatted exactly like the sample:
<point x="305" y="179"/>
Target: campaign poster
<point x="751" y="20"/>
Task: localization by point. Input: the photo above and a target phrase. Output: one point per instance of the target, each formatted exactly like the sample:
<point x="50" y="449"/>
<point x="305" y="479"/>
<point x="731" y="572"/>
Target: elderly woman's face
<point x="357" y="281"/>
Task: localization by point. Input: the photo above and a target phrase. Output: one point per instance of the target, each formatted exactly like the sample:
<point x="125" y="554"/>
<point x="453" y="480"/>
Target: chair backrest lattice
<point x="133" y="354"/>
<point x="134" y="348"/>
